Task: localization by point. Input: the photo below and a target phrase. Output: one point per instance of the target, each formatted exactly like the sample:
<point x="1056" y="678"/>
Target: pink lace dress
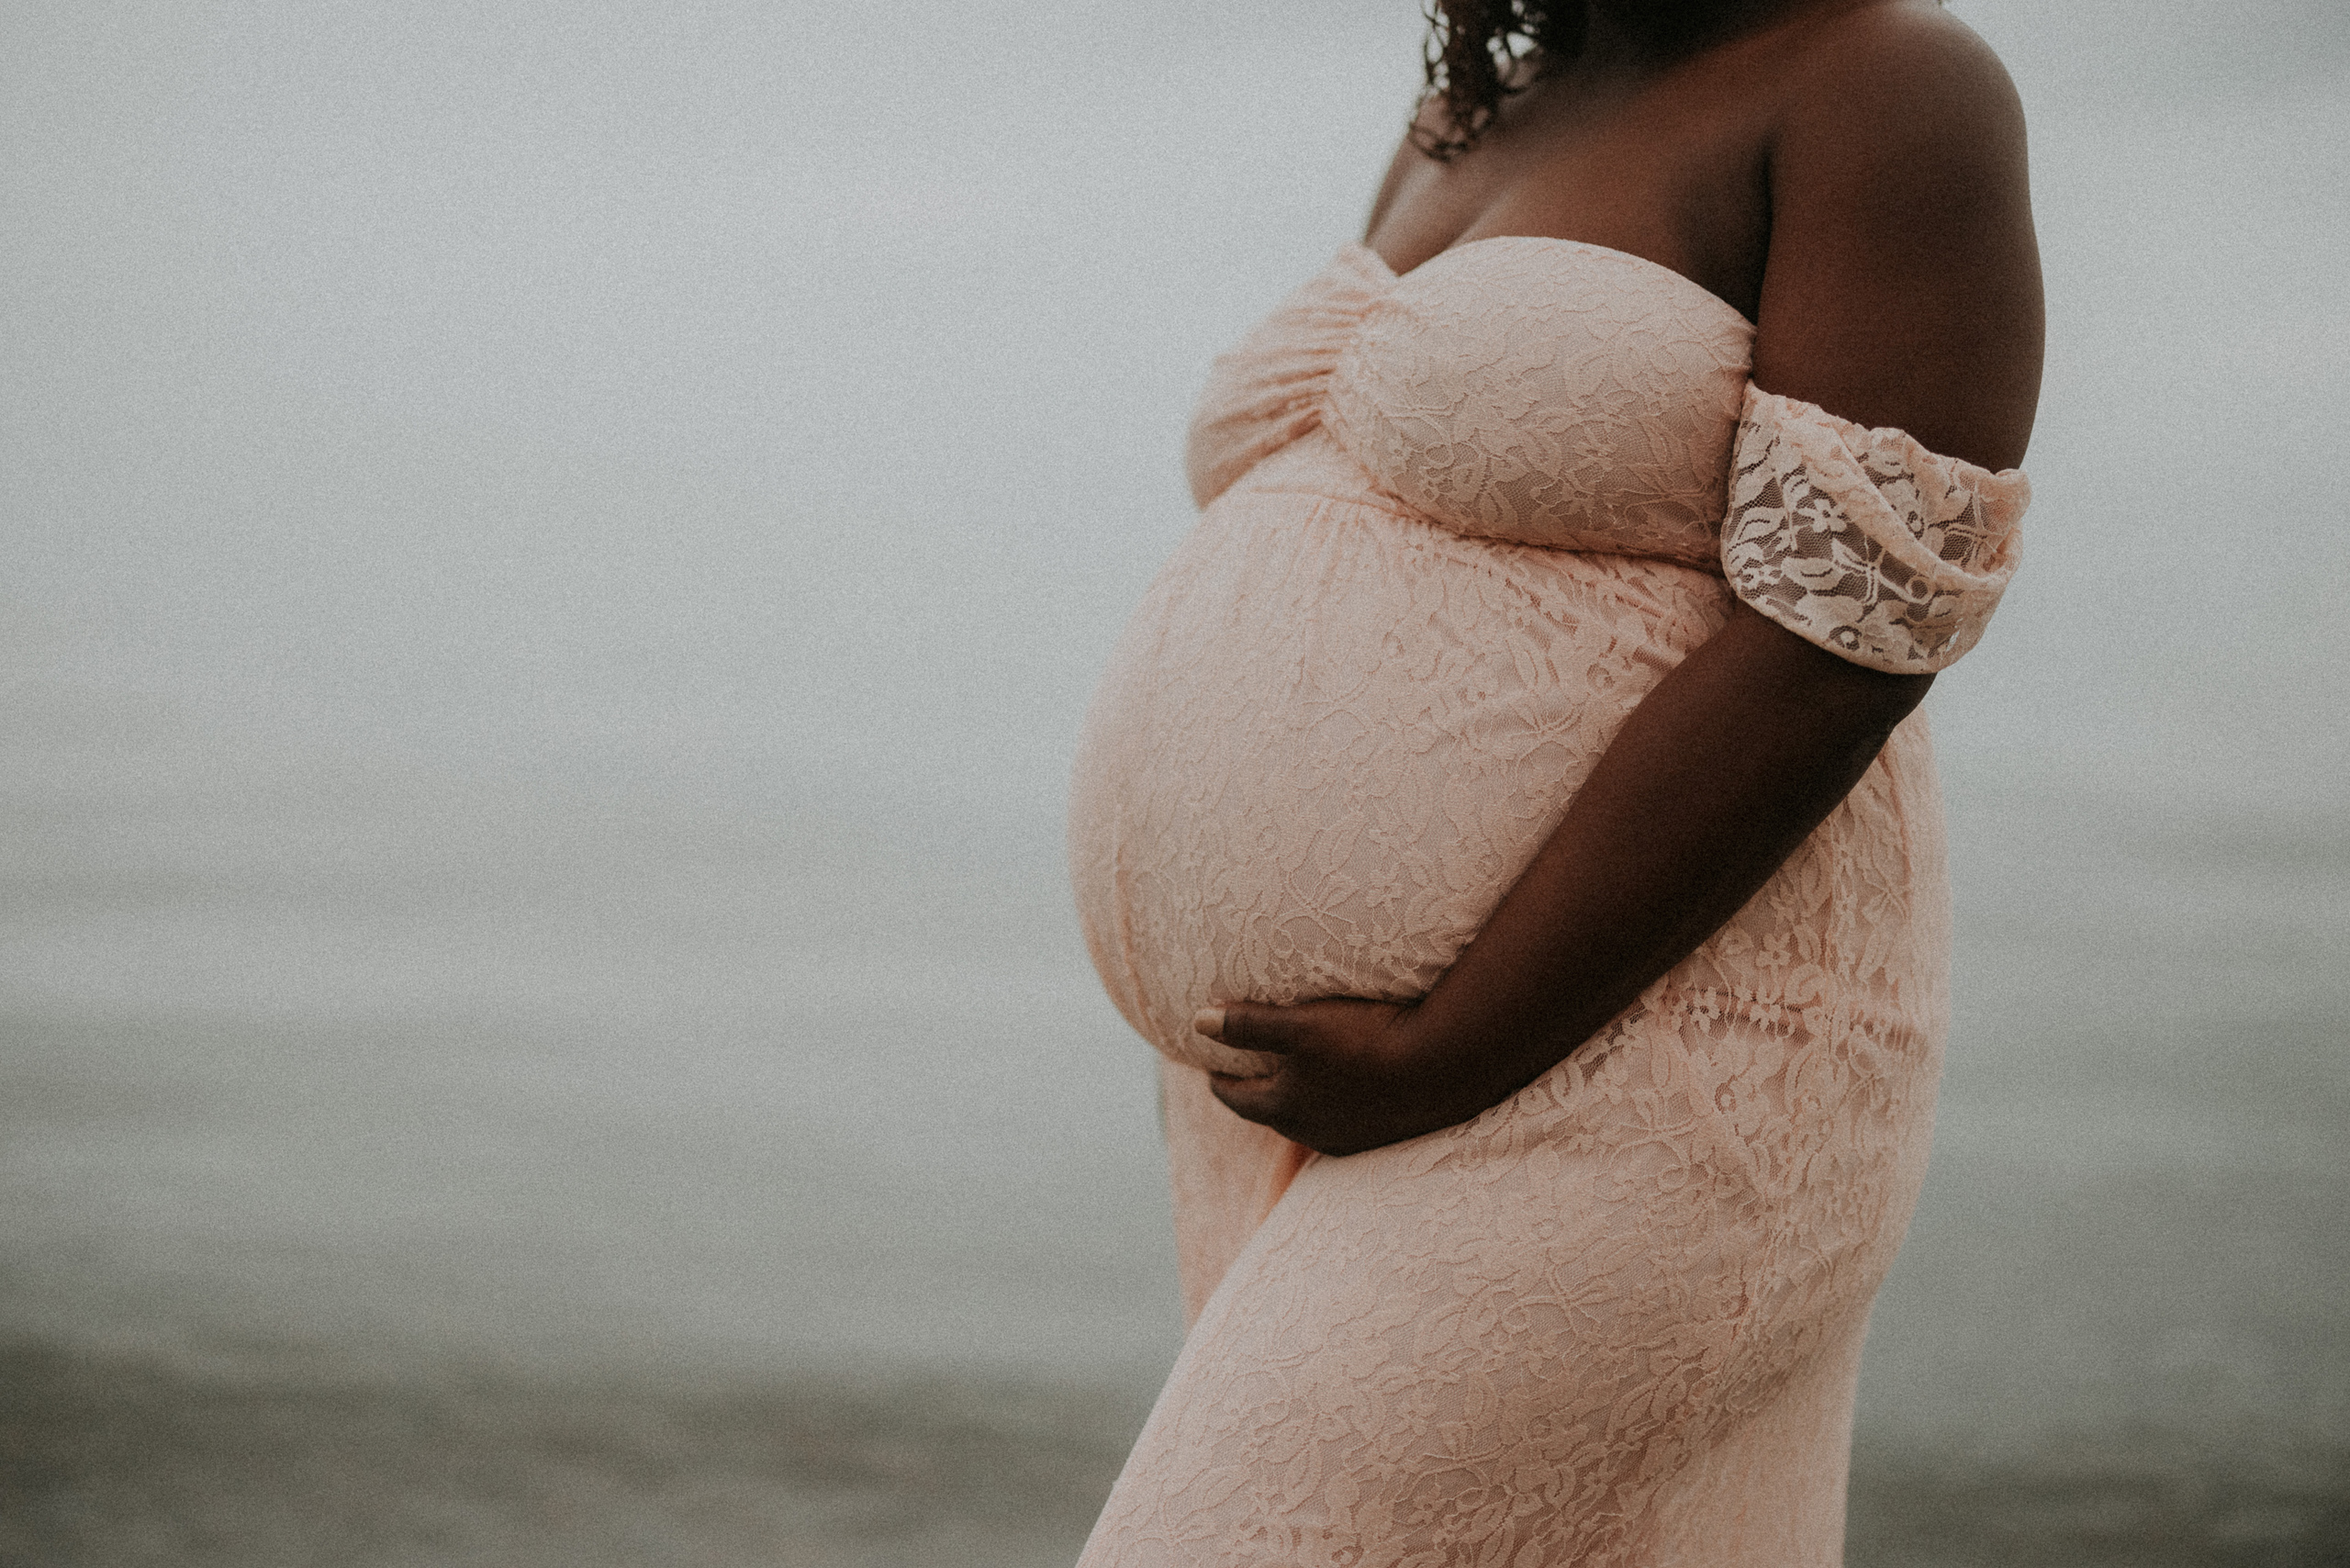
<point x="1456" y="524"/>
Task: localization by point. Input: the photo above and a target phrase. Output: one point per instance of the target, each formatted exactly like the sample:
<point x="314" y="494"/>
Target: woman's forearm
<point x="1714" y="780"/>
<point x="1709" y="786"/>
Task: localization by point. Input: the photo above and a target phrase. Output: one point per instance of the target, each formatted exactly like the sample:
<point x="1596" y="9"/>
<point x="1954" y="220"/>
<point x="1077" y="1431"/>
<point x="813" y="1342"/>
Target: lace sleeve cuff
<point x="1863" y="541"/>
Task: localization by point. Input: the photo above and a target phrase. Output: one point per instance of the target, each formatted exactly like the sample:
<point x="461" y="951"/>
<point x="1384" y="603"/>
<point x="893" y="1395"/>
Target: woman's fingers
<point x="1251" y="1099"/>
<point x="1251" y="1026"/>
<point x="1333" y="1087"/>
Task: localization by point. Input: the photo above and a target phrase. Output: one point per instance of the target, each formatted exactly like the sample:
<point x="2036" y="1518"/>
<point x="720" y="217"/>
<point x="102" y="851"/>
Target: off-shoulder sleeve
<point x="1863" y="541"/>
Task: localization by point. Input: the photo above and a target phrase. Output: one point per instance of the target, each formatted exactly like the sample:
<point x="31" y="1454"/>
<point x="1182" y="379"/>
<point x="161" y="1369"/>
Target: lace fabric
<point x="1863" y="541"/>
<point x="1615" y="1319"/>
<point x="1270" y="391"/>
<point x="1588" y="406"/>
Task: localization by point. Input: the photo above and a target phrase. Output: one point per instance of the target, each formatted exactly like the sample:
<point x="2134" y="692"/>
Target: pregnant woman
<point x="1507" y="812"/>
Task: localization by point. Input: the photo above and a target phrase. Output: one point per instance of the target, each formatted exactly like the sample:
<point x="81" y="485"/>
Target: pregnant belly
<point x="1331" y="738"/>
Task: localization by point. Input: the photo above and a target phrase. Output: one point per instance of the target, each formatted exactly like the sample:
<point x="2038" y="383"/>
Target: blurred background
<point x="550" y="559"/>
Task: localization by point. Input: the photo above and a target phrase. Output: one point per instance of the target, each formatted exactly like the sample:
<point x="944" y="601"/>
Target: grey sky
<point x="634" y="377"/>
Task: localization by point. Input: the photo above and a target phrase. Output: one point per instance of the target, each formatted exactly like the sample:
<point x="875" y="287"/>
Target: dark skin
<point x="1849" y="176"/>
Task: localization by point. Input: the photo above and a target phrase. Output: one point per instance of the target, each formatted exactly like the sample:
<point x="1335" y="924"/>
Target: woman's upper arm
<point x="1902" y="286"/>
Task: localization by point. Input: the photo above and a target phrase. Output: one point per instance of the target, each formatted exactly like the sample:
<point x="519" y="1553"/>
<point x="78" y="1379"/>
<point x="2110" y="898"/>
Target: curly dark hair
<point x="1480" y="51"/>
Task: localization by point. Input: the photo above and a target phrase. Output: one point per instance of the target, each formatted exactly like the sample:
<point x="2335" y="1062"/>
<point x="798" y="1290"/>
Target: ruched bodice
<point x="1538" y="391"/>
<point x="1554" y="393"/>
<point x="1455" y="527"/>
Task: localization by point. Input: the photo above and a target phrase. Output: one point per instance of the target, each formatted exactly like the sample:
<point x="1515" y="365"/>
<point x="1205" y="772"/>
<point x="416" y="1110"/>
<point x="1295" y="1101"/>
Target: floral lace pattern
<point x="1584" y="406"/>
<point x="1615" y="1319"/>
<point x="1863" y="541"/>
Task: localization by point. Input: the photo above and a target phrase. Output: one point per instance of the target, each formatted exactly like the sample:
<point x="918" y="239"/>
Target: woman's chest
<point x="1676" y="174"/>
<point x="1537" y="391"/>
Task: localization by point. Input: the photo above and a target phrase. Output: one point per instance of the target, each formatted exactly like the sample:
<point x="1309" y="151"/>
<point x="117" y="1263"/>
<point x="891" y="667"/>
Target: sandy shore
<point x="132" y="1465"/>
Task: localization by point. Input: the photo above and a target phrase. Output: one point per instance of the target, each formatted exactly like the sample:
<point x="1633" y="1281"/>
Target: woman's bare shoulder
<point x="1904" y="82"/>
<point x="1902" y="283"/>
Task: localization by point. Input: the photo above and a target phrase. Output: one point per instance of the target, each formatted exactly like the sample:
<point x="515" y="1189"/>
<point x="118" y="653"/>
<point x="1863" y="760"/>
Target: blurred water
<point x="554" y="556"/>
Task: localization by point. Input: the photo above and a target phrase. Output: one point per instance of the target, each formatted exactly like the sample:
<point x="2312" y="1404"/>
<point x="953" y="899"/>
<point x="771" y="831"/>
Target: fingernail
<point x="1208" y="1021"/>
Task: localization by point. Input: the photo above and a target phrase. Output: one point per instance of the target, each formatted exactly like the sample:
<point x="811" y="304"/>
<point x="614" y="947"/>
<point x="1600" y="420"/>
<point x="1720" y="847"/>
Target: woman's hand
<point x="1712" y="782"/>
<point x="1352" y="1075"/>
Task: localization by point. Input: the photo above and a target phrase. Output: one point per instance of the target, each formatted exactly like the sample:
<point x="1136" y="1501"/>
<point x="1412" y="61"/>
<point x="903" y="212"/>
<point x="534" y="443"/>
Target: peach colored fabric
<point x="1865" y="542"/>
<point x="1455" y="525"/>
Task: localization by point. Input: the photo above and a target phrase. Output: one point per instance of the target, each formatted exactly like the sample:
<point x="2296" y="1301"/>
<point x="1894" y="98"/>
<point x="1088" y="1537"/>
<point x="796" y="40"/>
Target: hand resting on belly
<point x="1710" y="784"/>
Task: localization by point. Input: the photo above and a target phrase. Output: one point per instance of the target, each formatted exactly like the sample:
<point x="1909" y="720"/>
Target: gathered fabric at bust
<point x="1455" y="526"/>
